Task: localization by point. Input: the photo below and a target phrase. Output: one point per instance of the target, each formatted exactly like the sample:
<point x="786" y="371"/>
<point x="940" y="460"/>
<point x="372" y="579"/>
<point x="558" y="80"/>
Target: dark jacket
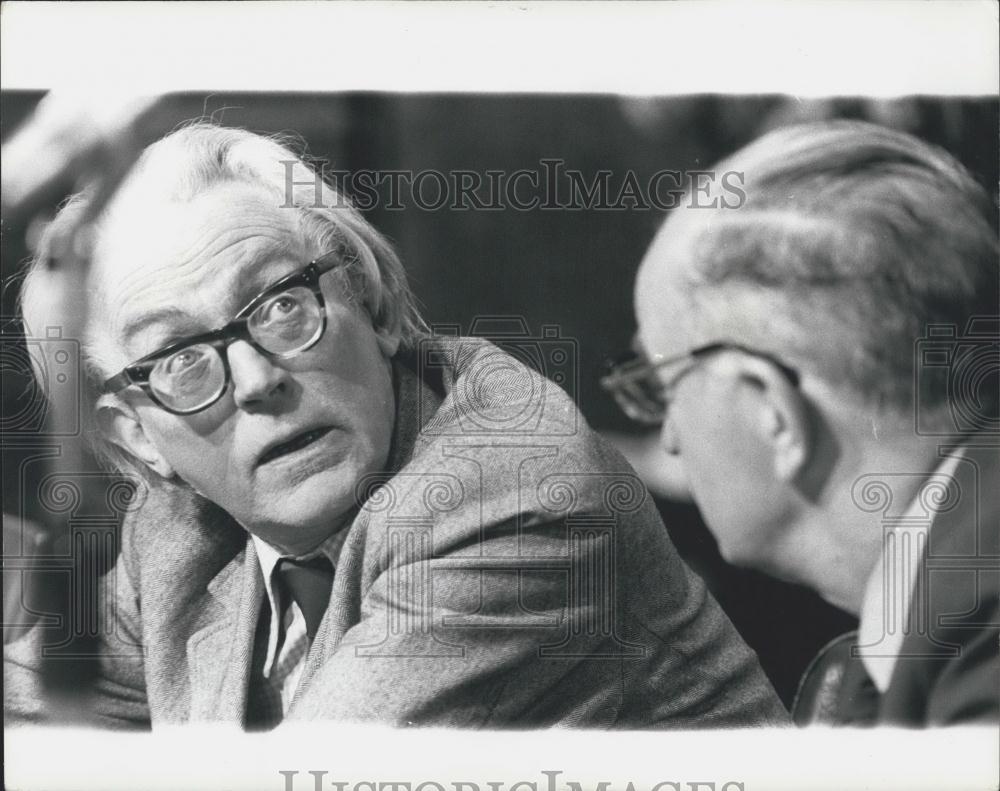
<point x="948" y="668"/>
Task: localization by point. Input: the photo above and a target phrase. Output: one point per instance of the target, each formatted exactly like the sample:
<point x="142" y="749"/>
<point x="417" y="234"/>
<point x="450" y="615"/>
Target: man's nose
<point x="257" y="380"/>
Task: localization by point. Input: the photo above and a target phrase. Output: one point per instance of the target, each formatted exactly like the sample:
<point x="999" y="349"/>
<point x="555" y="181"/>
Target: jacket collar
<point x="220" y="654"/>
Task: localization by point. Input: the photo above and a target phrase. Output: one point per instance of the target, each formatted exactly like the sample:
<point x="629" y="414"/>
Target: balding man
<point x="823" y="362"/>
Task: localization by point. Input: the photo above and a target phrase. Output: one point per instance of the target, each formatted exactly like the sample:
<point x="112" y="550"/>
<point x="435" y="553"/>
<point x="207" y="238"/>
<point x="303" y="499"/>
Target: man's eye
<point x="183" y="361"/>
<point x="281" y="308"/>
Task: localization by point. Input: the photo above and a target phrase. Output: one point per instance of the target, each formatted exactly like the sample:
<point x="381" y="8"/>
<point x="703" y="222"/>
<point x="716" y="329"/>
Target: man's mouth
<point x="296" y="443"/>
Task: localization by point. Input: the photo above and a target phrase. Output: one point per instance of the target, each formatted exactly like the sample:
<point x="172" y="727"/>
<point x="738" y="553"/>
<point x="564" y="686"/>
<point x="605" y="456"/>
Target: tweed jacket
<point x="507" y="569"/>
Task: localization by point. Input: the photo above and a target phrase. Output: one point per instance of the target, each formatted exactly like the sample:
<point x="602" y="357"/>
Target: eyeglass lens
<point x="283" y="325"/>
<point x="641" y="398"/>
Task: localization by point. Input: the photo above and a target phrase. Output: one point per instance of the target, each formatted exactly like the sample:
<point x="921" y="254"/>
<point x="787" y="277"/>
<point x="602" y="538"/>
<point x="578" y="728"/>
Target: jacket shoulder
<point x="173" y="534"/>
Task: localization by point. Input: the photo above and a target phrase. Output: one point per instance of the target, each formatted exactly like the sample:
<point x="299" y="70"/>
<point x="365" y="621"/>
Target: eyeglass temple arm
<point x="790" y="373"/>
<point x="329" y="261"/>
<point x="118" y="382"/>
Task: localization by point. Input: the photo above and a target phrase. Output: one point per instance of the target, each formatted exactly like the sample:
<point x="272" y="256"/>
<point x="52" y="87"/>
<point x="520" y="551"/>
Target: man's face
<point x="326" y="415"/>
<point x="705" y="425"/>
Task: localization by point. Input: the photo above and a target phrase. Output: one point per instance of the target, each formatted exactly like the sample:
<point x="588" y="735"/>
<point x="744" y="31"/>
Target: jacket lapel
<point x="959" y="596"/>
<point x="220" y="653"/>
<point x="416" y="402"/>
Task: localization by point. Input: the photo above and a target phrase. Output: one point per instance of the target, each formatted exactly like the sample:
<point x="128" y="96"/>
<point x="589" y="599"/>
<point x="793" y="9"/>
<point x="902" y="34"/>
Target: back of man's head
<point x="852" y="242"/>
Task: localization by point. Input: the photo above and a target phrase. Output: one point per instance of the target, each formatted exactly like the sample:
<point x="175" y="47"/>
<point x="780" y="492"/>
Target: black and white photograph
<point x="474" y="396"/>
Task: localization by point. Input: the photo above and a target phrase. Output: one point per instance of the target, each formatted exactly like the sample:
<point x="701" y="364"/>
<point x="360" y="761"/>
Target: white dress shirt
<point x="885" y="617"/>
<point x="288" y="642"/>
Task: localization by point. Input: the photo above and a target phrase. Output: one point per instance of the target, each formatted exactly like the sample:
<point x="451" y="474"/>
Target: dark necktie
<point x="859" y="698"/>
<point x="308" y="582"/>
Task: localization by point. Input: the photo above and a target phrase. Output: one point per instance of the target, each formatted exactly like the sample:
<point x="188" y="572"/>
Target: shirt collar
<point x="881" y="626"/>
<point x="269" y="555"/>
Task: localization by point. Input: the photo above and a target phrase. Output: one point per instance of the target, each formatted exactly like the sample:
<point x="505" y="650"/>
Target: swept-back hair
<point x="179" y="168"/>
<point x="853" y="240"/>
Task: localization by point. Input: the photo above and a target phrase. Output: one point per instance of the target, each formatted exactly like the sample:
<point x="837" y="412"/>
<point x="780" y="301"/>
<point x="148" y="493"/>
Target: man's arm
<point x="574" y="616"/>
<point x="459" y="640"/>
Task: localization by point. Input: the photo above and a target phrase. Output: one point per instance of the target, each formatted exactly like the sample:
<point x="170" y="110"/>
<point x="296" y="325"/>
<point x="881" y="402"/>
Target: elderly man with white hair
<point x="822" y="364"/>
<point x="346" y="517"/>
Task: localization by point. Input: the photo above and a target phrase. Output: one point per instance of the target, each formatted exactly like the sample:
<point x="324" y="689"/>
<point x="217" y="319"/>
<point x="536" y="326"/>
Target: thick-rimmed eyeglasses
<point x="189" y="375"/>
<point x="642" y="395"/>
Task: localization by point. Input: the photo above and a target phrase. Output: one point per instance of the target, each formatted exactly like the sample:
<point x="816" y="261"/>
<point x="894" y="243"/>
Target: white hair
<point x="179" y="168"/>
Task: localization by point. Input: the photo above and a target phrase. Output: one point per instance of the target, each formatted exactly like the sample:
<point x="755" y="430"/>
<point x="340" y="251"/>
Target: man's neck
<point x="844" y="539"/>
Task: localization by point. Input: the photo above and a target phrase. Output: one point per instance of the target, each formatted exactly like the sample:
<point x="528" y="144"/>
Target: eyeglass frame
<point x="138" y="373"/>
<point x="622" y="373"/>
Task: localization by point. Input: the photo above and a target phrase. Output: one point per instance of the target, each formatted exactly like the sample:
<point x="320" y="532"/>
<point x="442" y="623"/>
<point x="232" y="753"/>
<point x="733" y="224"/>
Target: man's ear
<point x="122" y="426"/>
<point x="388" y="337"/>
<point x="781" y="416"/>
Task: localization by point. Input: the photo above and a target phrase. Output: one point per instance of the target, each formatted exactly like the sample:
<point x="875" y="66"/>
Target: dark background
<point x="569" y="268"/>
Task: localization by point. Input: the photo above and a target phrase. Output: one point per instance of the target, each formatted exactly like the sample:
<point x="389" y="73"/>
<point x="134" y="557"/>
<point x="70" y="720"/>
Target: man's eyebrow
<point x="165" y="315"/>
<point x="263" y="267"/>
<point x="242" y="289"/>
<point x="254" y="285"/>
<point x="264" y="277"/>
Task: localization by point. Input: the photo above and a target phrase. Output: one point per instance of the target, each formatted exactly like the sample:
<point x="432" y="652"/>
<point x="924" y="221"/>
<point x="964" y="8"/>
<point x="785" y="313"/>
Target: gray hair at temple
<point x="852" y="241"/>
<point x="180" y="167"/>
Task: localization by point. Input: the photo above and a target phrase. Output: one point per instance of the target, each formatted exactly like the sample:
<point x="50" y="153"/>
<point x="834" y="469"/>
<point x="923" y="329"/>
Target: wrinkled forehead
<point x="198" y="259"/>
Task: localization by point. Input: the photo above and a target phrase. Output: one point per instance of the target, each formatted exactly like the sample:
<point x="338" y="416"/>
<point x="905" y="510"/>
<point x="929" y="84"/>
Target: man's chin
<point x="307" y="512"/>
<point x="744" y="556"/>
<point x="294" y="537"/>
